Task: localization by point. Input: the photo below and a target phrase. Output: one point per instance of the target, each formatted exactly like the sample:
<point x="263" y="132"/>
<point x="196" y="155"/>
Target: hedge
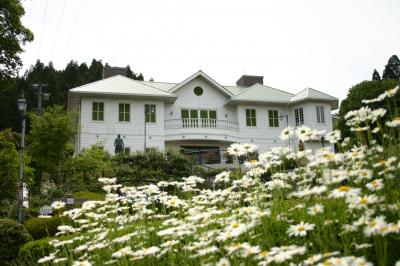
<point x="44" y="227"/>
<point x="12" y="236"/>
<point x="32" y="251"/>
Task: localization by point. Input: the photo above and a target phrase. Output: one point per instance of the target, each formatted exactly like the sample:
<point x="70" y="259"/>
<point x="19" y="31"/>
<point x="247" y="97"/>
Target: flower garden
<point x="333" y="207"/>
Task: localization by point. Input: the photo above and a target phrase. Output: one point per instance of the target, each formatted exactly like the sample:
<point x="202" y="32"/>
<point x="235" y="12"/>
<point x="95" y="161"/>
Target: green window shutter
<point x="94" y="111"/>
<point x="213" y="114"/>
<point x="251" y="117"/>
<point x="127" y="112"/>
<point x="121" y="112"/>
<point x="194" y="114"/>
<point x="203" y="114"/>
<point x="248" y="121"/>
<point x="270" y="118"/>
<point x="184" y="113"/>
<point x="101" y="116"/>
<point x="101" y="112"/>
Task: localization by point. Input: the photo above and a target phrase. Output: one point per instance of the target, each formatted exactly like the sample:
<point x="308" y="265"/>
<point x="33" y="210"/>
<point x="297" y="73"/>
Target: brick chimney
<point x="109" y="71"/>
<point x="249" y="80"/>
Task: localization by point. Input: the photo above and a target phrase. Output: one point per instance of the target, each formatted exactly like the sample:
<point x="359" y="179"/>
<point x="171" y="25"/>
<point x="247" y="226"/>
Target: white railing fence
<point x="201" y="123"/>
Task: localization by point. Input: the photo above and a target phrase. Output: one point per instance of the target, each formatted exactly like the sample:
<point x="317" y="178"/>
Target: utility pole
<point x="40" y="94"/>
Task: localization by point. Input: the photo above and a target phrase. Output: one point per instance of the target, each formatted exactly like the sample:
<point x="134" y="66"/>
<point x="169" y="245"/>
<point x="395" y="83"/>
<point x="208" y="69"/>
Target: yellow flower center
<point x="264" y="254"/>
<point x="372" y="223"/>
<point x="344" y="188"/>
<point x="235" y="225"/>
<point x="364" y="201"/>
<point x="300" y="228"/>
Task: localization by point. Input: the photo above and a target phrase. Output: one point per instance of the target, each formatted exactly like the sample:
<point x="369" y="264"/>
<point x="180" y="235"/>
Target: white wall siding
<point x="132" y="132"/>
<point x="211" y="99"/>
<point x="262" y="134"/>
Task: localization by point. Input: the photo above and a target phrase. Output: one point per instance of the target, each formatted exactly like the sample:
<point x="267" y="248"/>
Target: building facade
<point x="197" y="114"/>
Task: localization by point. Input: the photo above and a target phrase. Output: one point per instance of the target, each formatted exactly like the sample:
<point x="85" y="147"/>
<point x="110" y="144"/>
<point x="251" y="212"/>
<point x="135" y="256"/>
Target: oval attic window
<point x="198" y="91"/>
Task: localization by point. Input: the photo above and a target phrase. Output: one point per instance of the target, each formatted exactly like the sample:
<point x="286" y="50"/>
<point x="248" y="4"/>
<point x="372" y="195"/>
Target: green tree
<point x="12" y="36"/>
<point x="375" y="75"/>
<point x="92" y="163"/>
<point x="9" y="165"/>
<point x="363" y="90"/>
<point x="392" y="69"/>
<point x="50" y="139"/>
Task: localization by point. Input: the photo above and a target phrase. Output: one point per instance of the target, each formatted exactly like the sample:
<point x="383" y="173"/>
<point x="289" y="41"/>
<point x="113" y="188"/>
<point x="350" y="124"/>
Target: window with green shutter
<point x="150" y="112"/>
<point x="98" y="111"/>
<point x="273" y="118"/>
<point x="124" y="112"/>
<point x="251" y="120"/>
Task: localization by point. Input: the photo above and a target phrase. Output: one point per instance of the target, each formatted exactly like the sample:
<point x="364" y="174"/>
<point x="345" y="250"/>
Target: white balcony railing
<point x="201" y="123"/>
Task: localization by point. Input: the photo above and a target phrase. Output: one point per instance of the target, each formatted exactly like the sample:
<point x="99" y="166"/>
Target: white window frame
<point x="320" y="111"/>
<point x="299" y="116"/>
<point x="155" y="113"/>
<point x="252" y="118"/>
<point x="273" y="118"/>
<point x="124" y="113"/>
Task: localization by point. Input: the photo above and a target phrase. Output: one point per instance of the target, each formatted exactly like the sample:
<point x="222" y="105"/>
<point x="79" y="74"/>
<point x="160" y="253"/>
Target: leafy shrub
<point x="34" y="250"/>
<point x="152" y="165"/>
<point x="44" y="227"/>
<point x="12" y="236"/>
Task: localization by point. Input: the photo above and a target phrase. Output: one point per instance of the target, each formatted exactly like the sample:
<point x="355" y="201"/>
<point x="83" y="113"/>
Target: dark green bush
<point x="34" y="250"/>
<point x="44" y="227"/>
<point x="12" y="237"/>
<point x="152" y="165"/>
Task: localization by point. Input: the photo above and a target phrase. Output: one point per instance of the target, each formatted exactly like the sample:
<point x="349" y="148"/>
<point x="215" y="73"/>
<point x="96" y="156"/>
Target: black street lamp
<point x="22" y="108"/>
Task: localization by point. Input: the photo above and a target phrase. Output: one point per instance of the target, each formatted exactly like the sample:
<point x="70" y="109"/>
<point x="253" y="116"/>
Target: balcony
<point x="201" y="128"/>
<point x="201" y="123"/>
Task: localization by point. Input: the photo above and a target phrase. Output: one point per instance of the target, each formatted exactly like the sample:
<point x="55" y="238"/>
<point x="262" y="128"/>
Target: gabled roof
<point x="120" y="85"/>
<point x="206" y="77"/>
<point x="262" y="93"/>
<point x="312" y="94"/>
<point x="165" y="86"/>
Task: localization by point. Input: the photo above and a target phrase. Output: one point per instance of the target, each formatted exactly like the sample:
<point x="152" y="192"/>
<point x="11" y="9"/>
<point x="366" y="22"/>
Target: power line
<point x="42" y="30"/>
<point x="74" y="26"/>
<point x="58" y="30"/>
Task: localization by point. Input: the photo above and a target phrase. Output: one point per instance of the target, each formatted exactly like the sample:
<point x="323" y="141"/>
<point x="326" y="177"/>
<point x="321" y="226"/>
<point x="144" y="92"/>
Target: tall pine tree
<point x="375" y="75"/>
<point x="392" y="69"/>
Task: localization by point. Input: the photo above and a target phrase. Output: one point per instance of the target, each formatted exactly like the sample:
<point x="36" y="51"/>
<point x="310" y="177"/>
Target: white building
<point x="197" y="114"/>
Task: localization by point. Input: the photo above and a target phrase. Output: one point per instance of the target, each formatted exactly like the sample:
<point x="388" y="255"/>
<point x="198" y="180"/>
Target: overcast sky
<point x="326" y="45"/>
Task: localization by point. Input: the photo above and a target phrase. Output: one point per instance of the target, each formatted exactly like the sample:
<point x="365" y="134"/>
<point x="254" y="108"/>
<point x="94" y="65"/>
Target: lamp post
<point x="22" y="108"/>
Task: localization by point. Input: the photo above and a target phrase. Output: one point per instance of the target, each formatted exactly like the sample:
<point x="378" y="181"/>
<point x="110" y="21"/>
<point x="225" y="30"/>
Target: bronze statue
<point x="118" y="144"/>
<point x="301" y="146"/>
